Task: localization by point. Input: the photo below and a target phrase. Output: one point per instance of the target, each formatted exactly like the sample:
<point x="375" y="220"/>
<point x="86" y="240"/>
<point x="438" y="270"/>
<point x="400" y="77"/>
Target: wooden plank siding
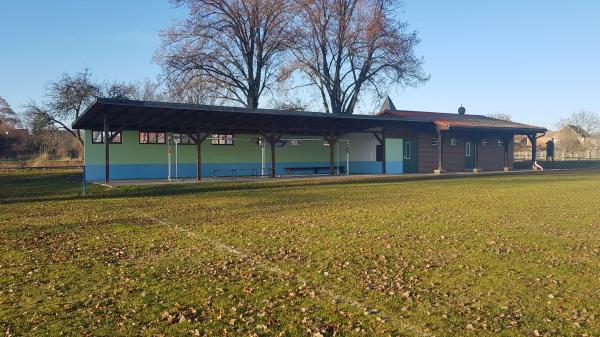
<point x="491" y="156"/>
<point x="427" y="161"/>
<point x="453" y="156"/>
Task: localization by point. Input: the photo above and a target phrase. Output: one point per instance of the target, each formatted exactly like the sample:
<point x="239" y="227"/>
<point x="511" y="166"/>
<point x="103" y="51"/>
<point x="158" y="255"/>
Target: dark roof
<point x="450" y="121"/>
<point x="164" y="116"/>
<point x="178" y="117"/>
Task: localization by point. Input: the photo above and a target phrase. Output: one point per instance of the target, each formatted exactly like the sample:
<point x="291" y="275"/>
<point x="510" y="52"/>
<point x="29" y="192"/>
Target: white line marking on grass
<point x="276" y="270"/>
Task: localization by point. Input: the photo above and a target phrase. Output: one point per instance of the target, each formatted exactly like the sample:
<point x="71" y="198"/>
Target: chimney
<point x="462" y="110"/>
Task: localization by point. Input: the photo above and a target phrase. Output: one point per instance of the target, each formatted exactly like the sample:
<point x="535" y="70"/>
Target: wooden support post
<point x="198" y="138"/>
<point x="331" y="140"/>
<point x="272" y="143"/>
<point x="506" y="144"/>
<point x="383" y="159"/>
<point x="106" y="151"/>
<point x="198" y="158"/>
<point x="272" y="139"/>
<point x="440" y="145"/>
<point x="476" y="155"/>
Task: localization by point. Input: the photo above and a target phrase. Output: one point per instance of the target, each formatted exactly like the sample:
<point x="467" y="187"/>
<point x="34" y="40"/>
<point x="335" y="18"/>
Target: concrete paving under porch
<point x="312" y="177"/>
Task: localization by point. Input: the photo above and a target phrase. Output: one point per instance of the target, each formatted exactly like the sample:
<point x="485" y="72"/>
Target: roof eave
<point x="517" y="131"/>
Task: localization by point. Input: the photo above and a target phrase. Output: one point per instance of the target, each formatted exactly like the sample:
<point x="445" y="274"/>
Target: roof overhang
<point x="192" y="118"/>
<point x="515" y="131"/>
<point x="177" y="117"/>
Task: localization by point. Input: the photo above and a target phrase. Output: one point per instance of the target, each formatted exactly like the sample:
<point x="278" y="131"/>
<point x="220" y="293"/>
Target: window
<point x="222" y="139"/>
<point x="153" y="138"/>
<point x="484" y="142"/>
<point x="453" y="141"/>
<point x="500" y="142"/>
<point x="183" y="139"/>
<point x="407" y="150"/>
<point x="468" y="149"/>
<point x="378" y="153"/>
<point x="98" y="137"/>
<point x="295" y="142"/>
<point x="434" y="142"/>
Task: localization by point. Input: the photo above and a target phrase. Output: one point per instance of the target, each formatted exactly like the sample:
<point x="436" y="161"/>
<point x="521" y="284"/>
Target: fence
<point x="559" y="155"/>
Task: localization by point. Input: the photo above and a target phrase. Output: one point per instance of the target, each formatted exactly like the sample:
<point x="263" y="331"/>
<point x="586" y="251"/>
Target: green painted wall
<point x="394" y="150"/>
<point x="244" y="150"/>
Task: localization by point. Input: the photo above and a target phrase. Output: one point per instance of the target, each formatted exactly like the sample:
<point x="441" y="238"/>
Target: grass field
<point x="506" y="256"/>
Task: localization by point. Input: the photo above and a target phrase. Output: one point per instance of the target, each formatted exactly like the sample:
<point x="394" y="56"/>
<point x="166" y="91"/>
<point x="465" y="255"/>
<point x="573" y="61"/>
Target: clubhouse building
<point x="127" y="139"/>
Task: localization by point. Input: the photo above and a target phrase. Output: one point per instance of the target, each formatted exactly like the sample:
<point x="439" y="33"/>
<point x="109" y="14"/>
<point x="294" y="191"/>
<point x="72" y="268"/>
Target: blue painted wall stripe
<point x="160" y="171"/>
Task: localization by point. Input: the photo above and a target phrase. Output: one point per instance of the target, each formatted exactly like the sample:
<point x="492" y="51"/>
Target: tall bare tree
<point x="7" y="114"/>
<point x="347" y="47"/>
<point x="236" y="45"/>
<point x="192" y="88"/>
<point x="588" y="121"/>
<point x="68" y="97"/>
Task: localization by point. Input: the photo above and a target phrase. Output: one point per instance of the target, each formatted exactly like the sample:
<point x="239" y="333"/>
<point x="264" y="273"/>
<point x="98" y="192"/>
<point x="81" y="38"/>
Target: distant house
<point x="571" y="142"/>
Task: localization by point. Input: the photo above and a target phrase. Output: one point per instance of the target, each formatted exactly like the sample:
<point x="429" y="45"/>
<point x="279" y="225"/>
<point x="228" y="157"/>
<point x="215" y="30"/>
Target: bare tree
<point x="237" y="45"/>
<point x="347" y="47"/>
<point x="150" y="90"/>
<point x="7" y="114"/>
<point x="68" y="97"/>
<point x="500" y="115"/>
<point x="586" y="120"/>
<point x="192" y="88"/>
<point x="119" y="90"/>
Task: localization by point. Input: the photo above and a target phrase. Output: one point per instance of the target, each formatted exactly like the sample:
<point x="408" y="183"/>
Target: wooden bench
<point x="313" y="168"/>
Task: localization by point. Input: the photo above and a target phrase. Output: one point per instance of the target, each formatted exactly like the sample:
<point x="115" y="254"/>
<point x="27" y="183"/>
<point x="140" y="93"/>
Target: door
<point x="410" y="161"/>
<point x="469" y="155"/>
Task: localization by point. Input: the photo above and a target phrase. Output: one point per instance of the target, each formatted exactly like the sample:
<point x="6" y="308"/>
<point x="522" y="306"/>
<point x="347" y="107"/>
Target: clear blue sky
<point x="535" y="60"/>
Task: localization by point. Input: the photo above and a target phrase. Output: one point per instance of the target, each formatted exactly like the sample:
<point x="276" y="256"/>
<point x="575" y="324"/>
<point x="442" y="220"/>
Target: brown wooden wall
<point x="427" y="153"/>
<point x="491" y="156"/>
<point x="453" y="158"/>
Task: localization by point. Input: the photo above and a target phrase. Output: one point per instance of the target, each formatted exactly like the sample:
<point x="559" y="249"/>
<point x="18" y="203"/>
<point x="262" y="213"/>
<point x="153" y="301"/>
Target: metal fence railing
<point x="559" y="155"/>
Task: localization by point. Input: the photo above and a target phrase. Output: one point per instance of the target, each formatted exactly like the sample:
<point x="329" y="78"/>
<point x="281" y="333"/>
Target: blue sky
<point x="535" y="60"/>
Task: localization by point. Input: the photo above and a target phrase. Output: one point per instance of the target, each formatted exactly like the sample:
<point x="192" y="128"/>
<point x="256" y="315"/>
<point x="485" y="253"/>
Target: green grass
<point x="500" y="256"/>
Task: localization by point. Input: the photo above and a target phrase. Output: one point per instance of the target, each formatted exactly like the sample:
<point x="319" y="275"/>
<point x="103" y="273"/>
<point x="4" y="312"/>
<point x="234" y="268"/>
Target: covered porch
<point x="271" y="127"/>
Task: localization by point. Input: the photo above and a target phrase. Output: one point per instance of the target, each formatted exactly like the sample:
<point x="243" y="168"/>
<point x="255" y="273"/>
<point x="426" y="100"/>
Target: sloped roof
<point x="579" y="130"/>
<point x="448" y="121"/>
<point x="177" y="117"/>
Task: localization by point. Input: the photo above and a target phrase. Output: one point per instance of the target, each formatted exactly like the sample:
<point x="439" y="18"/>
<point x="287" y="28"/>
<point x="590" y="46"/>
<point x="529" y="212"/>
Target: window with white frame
<point x="218" y="139"/>
<point x="468" y="149"/>
<point x="484" y="142"/>
<point x="434" y="142"/>
<point x="153" y="137"/>
<point x="98" y="137"/>
<point x="407" y="150"/>
<point x="183" y="139"/>
<point x="453" y="141"/>
<point x="500" y="142"/>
